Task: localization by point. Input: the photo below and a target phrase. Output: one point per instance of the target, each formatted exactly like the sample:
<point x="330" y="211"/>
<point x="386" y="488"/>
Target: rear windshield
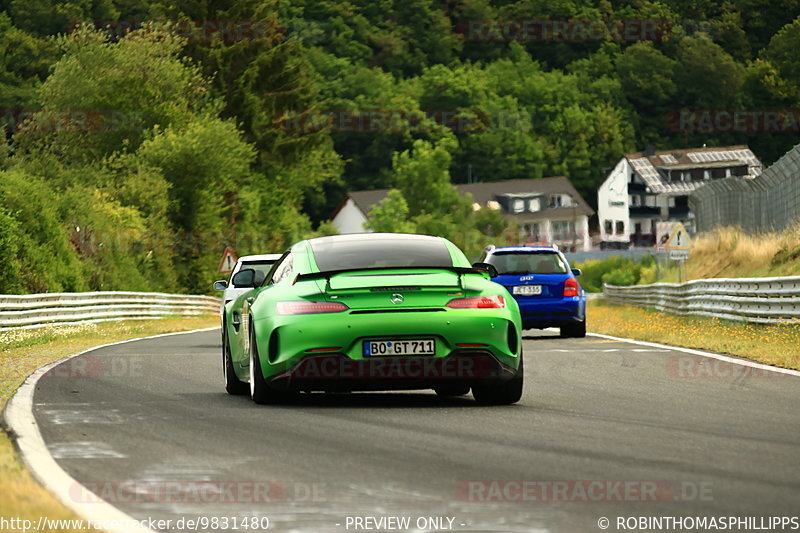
<point x="342" y="254"/>
<point x="528" y="263"/>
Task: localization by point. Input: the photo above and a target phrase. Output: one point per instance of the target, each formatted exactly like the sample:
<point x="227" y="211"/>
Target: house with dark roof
<point x="647" y="193"/>
<point x="547" y="210"/>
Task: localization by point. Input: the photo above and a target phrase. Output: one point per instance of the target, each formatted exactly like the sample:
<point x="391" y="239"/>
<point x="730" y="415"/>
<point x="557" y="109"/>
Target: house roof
<point x="652" y="166"/>
<point x="482" y="193"/>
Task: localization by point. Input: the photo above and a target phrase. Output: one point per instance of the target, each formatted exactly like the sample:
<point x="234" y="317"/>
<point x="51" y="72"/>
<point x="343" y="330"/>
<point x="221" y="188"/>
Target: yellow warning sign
<point x="679" y="239"/>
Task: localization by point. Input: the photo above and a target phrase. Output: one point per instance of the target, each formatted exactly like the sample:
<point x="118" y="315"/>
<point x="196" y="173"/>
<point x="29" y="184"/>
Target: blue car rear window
<point x="527" y="263"/>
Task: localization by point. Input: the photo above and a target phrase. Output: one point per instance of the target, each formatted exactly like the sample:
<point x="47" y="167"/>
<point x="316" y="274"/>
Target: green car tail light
<point x="309" y="308"/>
<point x="478" y="302"/>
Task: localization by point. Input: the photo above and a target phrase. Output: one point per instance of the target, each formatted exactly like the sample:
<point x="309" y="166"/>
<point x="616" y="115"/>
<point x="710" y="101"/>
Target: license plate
<point x="528" y="290"/>
<point x="393" y="347"/>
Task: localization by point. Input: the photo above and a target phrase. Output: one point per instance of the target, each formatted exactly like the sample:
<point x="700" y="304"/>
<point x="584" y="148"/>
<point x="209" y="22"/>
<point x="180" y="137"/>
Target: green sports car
<point x="374" y="311"/>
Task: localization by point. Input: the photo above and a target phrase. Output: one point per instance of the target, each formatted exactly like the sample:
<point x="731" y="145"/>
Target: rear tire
<point x="260" y="390"/>
<point x="452" y="390"/>
<point x="576" y="330"/>
<point x="503" y="393"/>
<point x="233" y="385"/>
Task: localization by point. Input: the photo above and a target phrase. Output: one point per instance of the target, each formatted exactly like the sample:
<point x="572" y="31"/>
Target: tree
<point x="206" y="163"/>
<point x="783" y="53"/>
<point x="391" y="215"/>
<point x="104" y="96"/>
<point x="46" y="258"/>
<point x="9" y="254"/>
<point x="647" y="77"/>
<point x="708" y="76"/>
<point x="422" y="174"/>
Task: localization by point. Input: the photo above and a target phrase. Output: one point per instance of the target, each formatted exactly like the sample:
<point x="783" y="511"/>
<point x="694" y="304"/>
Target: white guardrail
<point x="36" y="310"/>
<point x="760" y="300"/>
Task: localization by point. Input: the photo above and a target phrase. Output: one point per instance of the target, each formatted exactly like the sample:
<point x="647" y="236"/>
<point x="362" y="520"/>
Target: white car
<point x="260" y="263"/>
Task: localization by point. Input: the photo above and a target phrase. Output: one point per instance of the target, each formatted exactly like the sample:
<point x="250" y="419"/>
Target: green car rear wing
<point x="328" y="274"/>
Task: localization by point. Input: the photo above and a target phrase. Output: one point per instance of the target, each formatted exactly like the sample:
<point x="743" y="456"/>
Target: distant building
<point x="547" y="210"/>
<point x="648" y="192"/>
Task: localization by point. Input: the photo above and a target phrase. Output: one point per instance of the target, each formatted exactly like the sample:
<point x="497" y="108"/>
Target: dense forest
<point x="142" y="137"/>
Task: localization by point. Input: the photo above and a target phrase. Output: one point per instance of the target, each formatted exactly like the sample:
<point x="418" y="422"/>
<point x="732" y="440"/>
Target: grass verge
<point x="22" y="352"/>
<point x="732" y="253"/>
<point x="769" y="344"/>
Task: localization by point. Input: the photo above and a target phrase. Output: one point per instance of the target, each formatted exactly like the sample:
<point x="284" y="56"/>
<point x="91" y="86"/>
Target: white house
<point x="646" y="193"/>
<point x="547" y="210"/>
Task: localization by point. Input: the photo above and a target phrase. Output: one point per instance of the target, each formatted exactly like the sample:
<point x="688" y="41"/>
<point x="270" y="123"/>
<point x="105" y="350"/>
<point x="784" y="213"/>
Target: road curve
<point x="605" y="429"/>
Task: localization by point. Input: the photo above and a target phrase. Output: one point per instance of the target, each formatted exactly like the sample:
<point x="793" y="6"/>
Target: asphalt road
<point x="605" y="429"/>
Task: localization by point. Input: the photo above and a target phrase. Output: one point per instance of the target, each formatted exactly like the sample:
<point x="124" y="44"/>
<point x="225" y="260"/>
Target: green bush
<point x="47" y="258"/>
<point x="621" y="276"/>
<point x="9" y="248"/>
<point x="617" y="270"/>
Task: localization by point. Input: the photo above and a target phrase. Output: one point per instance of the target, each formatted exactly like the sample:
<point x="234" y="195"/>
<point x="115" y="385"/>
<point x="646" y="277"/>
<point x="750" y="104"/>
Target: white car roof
<point x="260" y="257"/>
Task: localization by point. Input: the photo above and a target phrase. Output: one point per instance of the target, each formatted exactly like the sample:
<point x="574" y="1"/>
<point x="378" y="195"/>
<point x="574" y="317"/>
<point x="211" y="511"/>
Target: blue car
<point x="541" y="281"/>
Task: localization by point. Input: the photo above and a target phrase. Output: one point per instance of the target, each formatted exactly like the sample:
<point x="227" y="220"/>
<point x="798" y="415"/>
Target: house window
<point x="519" y="205"/>
<point x="697" y="174"/>
<point x="620" y="227"/>
<point x="671" y="201"/>
<point x="609" y="227"/>
<point x="555" y="200"/>
<point x="562" y="229"/>
<point x="741" y="170"/>
<point x="638" y="228"/>
<point x="534" y="205"/>
<point x="718" y="173"/>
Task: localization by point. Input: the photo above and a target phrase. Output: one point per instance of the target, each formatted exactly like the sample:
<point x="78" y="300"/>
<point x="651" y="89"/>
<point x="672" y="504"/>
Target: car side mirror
<point x="486" y="267"/>
<point x="577" y="272"/>
<point x="220" y="285"/>
<point x="244" y="278"/>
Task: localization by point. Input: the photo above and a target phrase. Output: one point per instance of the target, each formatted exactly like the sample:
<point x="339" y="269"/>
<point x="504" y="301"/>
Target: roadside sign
<point x="678" y="247"/>
<point x="228" y="261"/>
<point x="679" y="239"/>
<point x="678" y="254"/>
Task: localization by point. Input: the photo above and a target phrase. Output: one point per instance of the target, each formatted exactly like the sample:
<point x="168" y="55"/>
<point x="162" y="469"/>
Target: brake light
<point x="478" y="302"/>
<point x="307" y="308"/>
<point x="571" y="287"/>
